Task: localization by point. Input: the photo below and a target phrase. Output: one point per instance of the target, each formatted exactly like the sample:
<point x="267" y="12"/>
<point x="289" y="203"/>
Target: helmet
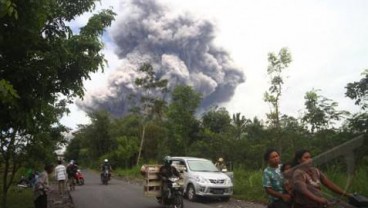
<point x="221" y="159"/>
<point x="167" y="160"/>
<point x="106" y="160"/>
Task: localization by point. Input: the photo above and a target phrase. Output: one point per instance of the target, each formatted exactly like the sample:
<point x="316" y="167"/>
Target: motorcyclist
<point x="71" y="170"/>
<point x="106" y="166"/>
<point x="166" y="171"/>
<point x="220" y="164"/>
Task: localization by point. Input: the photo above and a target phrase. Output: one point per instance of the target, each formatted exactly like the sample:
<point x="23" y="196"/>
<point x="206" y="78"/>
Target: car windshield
<point x="202" y="166"/>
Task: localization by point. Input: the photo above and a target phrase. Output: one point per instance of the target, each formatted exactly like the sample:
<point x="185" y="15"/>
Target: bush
<point x="248" y="185"/>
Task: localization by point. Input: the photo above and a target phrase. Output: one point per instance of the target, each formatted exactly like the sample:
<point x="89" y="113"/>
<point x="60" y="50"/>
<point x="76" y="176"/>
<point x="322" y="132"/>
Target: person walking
<point x="71" y="170"/>
<point x="61" y="176"/>
<point x="42" y="187"/>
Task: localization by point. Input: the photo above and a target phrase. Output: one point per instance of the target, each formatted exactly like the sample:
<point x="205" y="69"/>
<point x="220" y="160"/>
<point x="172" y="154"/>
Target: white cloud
<point x="327" y="40"/>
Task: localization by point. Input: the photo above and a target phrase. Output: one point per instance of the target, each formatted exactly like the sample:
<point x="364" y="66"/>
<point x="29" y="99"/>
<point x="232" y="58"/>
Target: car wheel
<point x="191" y="193"/>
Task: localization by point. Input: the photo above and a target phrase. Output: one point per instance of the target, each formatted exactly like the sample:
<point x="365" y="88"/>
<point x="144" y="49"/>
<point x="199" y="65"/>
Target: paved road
<point x="118" y="194"/>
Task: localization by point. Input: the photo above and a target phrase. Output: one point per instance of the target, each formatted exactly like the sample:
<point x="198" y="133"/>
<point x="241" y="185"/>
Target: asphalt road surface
<point x="119" y="193"/>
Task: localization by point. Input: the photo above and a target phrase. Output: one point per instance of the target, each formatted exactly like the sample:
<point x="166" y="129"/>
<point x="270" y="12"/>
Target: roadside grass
<point x="359" y="183"/>
<point x="133" y="173"/>
<point x="248" y="183"/>
<point x="20" y="198"/>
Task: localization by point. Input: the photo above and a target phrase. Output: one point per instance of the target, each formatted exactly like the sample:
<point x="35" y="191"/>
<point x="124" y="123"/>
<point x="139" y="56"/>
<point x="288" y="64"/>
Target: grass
<point x="248" y="185"/>
<point x="133" y="173"/>
<point x="20" y="198"/>
<point x="359" y="183"/>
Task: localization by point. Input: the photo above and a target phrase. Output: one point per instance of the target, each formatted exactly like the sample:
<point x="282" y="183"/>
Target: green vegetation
<point x="25" y="195"/>
<point x="151" y="131"/>
<point x="248" y="185"/>
<point x="132" y="173"/>
<point x="43" y="66"/>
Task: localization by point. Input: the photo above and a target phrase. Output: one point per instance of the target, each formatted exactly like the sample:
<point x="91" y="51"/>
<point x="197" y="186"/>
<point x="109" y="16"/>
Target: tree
<point x="239" y="124"/>
<point x="321" y="112"/>
<point x="217" y="120"/>
<point x="98" y="137"/>
<point x="358" y="91"/>
<point x="277" y="64"/>
<point x="8" y="8"/>
<point x="181" y="121"/>
<point x="42" y="66"/>
<point x="152" y="105"/>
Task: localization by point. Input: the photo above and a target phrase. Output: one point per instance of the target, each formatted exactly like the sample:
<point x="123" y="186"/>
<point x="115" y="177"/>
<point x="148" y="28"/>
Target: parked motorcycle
<point x="105" y="177"/>
<point x="28" y="182"/>
<point x="79" y="179"/>
<point x="174" y="197"/>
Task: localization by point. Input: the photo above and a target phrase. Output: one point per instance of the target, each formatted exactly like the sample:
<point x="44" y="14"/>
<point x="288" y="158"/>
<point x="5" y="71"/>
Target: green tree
<point x="98" y="137"/>
<point x="152" y="104"/>
<point x="217" y="120"/>
<point x="294" y="135"/>
<point x="181" y="121"/>
<point x="358" y="91"/>
<point x="239" y="124"/>
<point x="321" y="112"/>
<point x="277" y="64"/>
<point x="44" y="64"/>
<point x="72" y="151"/>
<point x="8" y="8"/>
<point x="217" y="133"/>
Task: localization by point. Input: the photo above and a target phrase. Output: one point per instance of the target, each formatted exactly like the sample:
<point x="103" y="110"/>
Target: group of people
<point x="297" y="183"/>
<point x="62" y="175"/>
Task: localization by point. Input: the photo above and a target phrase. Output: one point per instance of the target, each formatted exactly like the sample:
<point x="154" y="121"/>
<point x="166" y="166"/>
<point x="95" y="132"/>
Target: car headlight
<point x="200" y="179"/>
<point x="228" y="181"/>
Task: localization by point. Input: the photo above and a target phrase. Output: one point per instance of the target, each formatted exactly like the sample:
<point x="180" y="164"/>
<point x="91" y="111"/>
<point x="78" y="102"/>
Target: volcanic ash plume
<point x="180" y="49"/>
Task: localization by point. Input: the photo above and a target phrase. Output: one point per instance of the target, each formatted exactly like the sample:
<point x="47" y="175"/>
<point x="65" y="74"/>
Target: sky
<point x="327" y="40"/>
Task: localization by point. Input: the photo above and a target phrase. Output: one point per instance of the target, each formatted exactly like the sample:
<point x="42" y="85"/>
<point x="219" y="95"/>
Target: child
<point x="287" y="173"/>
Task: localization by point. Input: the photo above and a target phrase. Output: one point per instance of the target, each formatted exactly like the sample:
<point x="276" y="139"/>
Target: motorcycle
<point x="24" y="183"/>
<point x="354" y="201"/>
<point x="79" y="179"/>
<point x="28" y="182"/>
<point x="358" y="200"/>
<point x="174" y="196"/>
<point x="105" y="177"/>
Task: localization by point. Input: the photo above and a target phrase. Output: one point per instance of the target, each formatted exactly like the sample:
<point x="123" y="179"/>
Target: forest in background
<point x="43" y="65"/>
<point x="155" y="127"/>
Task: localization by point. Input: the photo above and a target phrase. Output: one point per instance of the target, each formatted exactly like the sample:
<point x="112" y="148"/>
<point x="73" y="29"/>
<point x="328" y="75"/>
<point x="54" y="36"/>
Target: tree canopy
<point x="42" y="68"/>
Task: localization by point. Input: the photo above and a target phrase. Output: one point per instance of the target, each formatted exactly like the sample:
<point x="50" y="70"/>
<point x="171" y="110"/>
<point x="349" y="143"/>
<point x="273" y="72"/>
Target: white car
<point x="202" y="178"/>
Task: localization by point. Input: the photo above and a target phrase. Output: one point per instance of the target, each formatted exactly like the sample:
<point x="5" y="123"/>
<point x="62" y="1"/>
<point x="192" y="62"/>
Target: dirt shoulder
<point x="55" y="200"/>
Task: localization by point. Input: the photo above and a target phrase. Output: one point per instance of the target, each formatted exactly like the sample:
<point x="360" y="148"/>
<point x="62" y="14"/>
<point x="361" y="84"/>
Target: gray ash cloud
<point x="181" y="50"/>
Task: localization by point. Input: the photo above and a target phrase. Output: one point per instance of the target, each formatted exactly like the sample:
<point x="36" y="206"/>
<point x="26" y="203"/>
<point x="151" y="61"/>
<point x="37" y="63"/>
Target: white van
<point x="202" y="178"/>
